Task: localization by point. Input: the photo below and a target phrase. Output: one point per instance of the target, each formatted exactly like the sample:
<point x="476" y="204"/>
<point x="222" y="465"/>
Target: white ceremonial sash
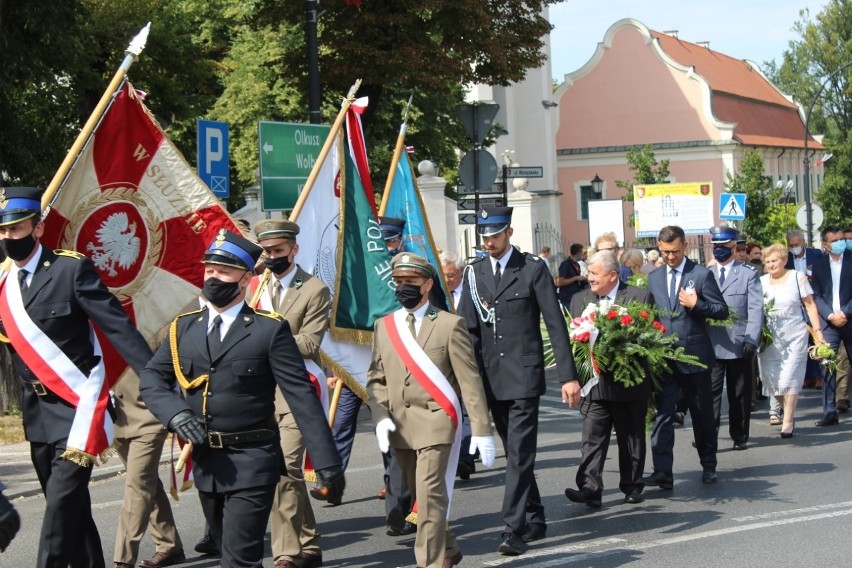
<point x="433" y="382"/>
<point x="91" y="430"/>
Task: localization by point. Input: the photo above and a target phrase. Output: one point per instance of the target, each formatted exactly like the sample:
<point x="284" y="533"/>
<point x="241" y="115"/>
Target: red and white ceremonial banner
<point x="433" y="381"/>
<point x="136" y="208"/>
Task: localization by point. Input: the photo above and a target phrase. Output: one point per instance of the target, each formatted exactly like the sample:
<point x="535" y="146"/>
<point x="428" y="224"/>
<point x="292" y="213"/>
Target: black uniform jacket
<point x="257" y="353"/>
<point x="64" y="294"/>
<point x="510" y="351"/>
<point x="607" y="389"/>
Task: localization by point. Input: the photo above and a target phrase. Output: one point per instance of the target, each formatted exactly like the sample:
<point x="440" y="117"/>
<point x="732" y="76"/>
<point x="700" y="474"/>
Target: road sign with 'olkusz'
<point x="732" y="206"/>
<point x="213" y="156"/>
<point x="288" y="152"/>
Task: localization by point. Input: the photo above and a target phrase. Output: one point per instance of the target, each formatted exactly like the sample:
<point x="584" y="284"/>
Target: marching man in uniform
<point x="228" y="359"/>
<point x="48" y="303"/>
<point x="303" y="300"/>
<point x="422" y="358"/>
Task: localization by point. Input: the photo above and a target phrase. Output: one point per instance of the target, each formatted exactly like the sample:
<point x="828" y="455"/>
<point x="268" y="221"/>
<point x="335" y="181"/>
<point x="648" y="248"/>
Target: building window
<point x="586" y="195"/>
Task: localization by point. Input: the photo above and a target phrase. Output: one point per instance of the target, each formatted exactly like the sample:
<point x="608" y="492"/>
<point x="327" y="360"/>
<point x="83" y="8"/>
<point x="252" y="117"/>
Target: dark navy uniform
<point x="63" y="294"/>
<point x="238" y="467"/>
<point x="504" y="323"/>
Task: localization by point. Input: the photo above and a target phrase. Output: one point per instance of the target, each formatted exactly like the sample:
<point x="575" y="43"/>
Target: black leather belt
<point x="37" y="387"/>
<point x="222" y="439"/>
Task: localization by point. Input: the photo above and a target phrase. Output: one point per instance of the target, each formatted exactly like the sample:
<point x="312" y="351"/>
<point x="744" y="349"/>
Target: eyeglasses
<point x="450" y="275"/>
<point x="610" y="249"/>
<point x="671" y="252"/>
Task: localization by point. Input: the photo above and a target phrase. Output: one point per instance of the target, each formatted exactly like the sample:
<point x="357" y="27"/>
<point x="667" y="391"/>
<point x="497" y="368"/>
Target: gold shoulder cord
<point x="4" y="339"/>
<point x="173" y="344"/>
<point x="68" y="253"/>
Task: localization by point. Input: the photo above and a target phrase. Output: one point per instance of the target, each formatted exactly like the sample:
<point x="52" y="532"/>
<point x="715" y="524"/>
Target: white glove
<point x="383" y="430"/>
<point x="485" y="445"/>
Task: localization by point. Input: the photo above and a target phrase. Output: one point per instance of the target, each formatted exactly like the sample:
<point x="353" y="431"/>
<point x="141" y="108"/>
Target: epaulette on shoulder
<point x="531" y="256"/>
<point x="192" y="313"/>
<point x="477" y="259"/>
<point x="751" y="267"/>
<point x="272" y="315"/>
<point x="69" y="253"/>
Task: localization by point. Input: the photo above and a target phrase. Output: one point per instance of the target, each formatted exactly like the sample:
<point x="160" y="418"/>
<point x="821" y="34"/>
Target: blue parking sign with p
<point x="213" y="163"/>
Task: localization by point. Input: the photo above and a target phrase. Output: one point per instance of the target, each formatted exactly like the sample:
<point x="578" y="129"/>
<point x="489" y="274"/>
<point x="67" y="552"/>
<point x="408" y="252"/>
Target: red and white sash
<point x="91" y="431"/>
<point x="433" y="381"/>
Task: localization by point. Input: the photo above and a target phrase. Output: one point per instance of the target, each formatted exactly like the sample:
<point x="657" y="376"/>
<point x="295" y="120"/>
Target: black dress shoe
<point x="739" y="446"/>
<point x="310" y="560"/>
<point x="583" y="496"/>
<point x="828" y="420"/>
<point x="450" y="561"/>
<point x="512" y="545"/>
<point x="463" y="470"/>
<point x="634" y="498"/>
<point x="207" y="546"/>
<point x="709" y="476"/>
<point x="406" y="529"/>
<point x="659" y="479"/>
<point x="533" y="533"/>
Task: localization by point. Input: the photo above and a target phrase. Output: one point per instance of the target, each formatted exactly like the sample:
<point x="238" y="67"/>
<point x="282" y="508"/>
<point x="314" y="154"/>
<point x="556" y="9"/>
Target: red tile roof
<point x="764" y="117"/>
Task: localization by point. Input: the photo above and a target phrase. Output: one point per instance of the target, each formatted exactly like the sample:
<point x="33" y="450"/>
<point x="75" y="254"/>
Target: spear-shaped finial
<point x="137" y="44"/>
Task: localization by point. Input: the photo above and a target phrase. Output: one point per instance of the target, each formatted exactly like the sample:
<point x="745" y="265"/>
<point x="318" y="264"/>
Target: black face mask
<point x="722" y="254"/>
<point x="409" y="295"/>
<point x="278" y="265"/>
<point x="18" y="249"/>
<point x="220" y="293"/>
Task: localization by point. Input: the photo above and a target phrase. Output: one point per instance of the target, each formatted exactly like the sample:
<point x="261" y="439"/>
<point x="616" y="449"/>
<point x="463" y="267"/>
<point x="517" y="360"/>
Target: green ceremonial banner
<point x="364" y="290"/>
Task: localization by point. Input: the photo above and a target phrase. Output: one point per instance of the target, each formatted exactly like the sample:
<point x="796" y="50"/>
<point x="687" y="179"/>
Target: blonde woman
<point x="782" y="363"/>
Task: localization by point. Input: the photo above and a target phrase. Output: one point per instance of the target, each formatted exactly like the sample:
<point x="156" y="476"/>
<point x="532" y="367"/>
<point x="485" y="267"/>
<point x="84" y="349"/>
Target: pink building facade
<point x="699" y="108"/>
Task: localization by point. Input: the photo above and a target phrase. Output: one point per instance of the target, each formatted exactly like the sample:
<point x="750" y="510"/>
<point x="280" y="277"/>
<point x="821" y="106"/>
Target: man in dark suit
<point x="570" y="281"/>
<point x="735" y="345"/>
<point x="688" y="295"/>
<point x="608" y="403"/>
<point x="239" y="355"/>
<point x="832" y="285"/>
<point x="50" y="299"/>
<point x="514" y="290"/>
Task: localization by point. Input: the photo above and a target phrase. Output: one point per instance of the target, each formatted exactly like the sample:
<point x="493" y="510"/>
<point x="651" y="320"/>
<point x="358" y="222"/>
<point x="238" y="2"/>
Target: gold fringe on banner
<point x="343" y="374"/>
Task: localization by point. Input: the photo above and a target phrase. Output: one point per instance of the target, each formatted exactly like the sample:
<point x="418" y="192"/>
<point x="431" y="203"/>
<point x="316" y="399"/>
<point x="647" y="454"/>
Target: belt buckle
<point x="39" y="389"/>
<point x="215" y="440"/>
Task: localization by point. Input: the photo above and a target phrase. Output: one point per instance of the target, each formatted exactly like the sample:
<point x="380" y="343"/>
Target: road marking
<point x="791" y="512"/>
<point x="558" y="550"/>
<point x="108" y="504"/>
<point x="664" y="541"/>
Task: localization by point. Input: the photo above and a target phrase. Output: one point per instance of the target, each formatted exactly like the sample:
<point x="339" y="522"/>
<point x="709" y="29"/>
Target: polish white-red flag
<point x="136" y="208"/>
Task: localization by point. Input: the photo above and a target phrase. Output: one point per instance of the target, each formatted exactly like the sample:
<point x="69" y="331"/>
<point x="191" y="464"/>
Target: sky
<point x="758" y="30"/>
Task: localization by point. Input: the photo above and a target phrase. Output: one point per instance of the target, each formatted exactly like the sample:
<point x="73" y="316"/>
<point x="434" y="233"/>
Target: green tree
<point x="646" y="170"/>
<point x="823" y="48"/>
<point x="761" y="199"/>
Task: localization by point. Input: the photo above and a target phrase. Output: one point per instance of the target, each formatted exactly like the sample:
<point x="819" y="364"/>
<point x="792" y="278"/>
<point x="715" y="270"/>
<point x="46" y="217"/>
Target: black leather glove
<point x="333" y="480"/>
<point x="189" y="427"/>
<point x="749" y="350"/>
<point x="10" y="522"/>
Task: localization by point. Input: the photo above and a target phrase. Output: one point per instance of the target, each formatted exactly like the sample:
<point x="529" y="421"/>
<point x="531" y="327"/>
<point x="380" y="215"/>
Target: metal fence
<point x="546" y="235"/>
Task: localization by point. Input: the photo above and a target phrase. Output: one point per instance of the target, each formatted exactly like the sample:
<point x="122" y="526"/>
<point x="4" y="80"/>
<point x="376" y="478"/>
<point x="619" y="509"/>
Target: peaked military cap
<point x="720" y="234"/>
<point x="391" y="227"/>
<point x="231" y="249"/>
<point x="410" y="264"/>
<point x="275" y="229"/>
<point x="493" y="220"/>
<point x="19" y="203"/>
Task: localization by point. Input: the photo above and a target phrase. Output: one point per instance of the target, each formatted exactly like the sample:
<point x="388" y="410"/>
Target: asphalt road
<point x="780" y="503"/>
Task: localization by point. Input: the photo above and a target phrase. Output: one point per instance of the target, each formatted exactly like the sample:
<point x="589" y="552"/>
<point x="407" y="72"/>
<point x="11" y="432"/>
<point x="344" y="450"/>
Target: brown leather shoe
<point x="161" y="559"/>
<point x="450" y="561"/>
<point x="122" y="565"/>
<point x="321" y="494"/>
<point x="284" y="564"/>
<point x="382" y="492"/>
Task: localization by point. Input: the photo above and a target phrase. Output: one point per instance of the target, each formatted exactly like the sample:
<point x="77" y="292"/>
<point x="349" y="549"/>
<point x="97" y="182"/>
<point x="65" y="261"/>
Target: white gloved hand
<point x="383" y="430"/>
<point x="485" y="445"/>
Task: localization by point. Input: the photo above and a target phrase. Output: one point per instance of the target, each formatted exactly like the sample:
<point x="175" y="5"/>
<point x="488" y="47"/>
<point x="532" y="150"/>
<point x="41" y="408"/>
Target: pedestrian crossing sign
<point x="732" y="206"/>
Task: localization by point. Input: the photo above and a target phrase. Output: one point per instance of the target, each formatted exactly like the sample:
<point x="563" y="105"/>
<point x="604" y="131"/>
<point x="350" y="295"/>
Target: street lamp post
<point x="807" y="160"/>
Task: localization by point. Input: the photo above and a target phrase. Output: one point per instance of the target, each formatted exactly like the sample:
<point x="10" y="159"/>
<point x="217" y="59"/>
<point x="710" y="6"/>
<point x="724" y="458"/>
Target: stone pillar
<point x="440" y="210"/>
<point x="524" y="206"/>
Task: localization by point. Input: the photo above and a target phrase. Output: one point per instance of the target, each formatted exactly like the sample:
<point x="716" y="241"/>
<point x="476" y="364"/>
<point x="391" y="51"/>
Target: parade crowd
<point x="242" y="384"/>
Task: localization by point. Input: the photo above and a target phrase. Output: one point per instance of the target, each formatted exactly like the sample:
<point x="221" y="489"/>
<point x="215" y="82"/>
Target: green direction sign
<point x="288" y="152"/>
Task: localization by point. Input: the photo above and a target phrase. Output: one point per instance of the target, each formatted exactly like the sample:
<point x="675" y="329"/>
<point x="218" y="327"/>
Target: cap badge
<point x="484" y="214"/>
<point x="405" y="258"/>
<point x="267" y="225"/>
<point x="220" y="238"/>
<point x="2" y="198"/>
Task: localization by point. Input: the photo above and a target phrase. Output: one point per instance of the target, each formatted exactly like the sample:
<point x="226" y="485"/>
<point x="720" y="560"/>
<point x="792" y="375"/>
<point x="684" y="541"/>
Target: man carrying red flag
<point x="49" y="301"/>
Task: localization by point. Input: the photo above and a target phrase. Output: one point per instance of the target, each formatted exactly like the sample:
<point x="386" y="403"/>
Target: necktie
<point x="410" y="319"/>
<point x="276" y="295"/>
<point x="497" y="274"/>
<point x="721" y="275"/>
<point x="673" y="290"/>
<point x="214" y="338"/>
<point x="22" y="279"/>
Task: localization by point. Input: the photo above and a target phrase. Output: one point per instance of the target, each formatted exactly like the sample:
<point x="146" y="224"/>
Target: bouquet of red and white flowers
<point x="625" y="343"/>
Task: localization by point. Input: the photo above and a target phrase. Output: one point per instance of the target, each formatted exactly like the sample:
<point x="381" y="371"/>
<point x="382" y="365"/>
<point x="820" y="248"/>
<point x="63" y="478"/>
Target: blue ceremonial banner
<point x="404" y="202"/>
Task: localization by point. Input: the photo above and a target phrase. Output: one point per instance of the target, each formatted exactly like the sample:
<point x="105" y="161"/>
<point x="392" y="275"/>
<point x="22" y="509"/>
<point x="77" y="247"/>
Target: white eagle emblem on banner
<point x="119" y="244"/>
